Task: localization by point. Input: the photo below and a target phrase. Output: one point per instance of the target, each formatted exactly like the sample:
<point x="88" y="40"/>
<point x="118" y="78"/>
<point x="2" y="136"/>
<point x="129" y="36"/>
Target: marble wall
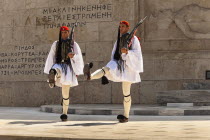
<point x="175" y="42"/>
<point x="176" y="45"/>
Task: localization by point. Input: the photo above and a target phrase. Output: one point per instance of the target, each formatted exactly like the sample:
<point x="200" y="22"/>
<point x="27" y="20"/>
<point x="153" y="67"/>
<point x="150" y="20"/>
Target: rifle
<point x="71" y="38"/>
<point x="130" y="36"/>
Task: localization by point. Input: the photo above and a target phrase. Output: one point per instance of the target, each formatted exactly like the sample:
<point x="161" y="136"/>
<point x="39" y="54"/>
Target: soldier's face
<point x="123" y="28"/>
<point x="64" y="35"/>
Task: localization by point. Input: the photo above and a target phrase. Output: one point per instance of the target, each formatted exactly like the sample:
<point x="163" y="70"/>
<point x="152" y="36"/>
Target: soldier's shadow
<point x="90" y="124"/>
<point x="48" y="122"/>
<point x="32" y="122"/>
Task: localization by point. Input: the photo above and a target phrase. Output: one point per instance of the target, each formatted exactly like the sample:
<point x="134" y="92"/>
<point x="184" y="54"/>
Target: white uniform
<point x="133" y="61"/>
<point x="133" y="66"/>
<point x="77" y="64"/>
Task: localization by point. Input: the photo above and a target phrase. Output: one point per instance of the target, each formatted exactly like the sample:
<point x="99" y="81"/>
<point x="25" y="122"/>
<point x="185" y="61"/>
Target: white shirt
<point x="77" y="65"/>
<point x="133" y="64"/>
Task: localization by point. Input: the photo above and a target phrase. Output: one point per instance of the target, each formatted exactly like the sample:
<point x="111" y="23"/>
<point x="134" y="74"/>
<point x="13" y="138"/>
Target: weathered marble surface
<point x="175" y="41"/>
<point x="176" y="46"/>
<point x="183" y="96"/>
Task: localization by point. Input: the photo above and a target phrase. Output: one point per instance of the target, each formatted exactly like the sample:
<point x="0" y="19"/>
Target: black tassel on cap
<point x="104" y="80"/>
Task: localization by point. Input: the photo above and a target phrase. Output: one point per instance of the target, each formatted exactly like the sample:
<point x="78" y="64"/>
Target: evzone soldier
<point x="64" y="63"/>
<point x="125" y="65"/>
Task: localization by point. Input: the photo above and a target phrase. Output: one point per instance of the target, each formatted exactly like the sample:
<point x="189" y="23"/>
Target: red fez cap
<point x="125" y="22"/>
<point x="64" y="28"/>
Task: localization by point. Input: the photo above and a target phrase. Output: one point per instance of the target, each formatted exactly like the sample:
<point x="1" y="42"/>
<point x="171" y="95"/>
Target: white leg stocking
<point x="127" y="98"/>
<point x="65" y="94"/>
<point x="58" y="74"/>
<point x="99" y="73"/>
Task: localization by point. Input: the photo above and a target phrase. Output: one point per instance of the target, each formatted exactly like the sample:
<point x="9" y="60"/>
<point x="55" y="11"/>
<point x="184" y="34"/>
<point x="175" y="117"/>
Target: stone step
<point x="180" y="104"/>
<point x="198" y="97"/>
<point x="115" y="109"/>
<point x="2" y="137"/>
<point x="202" y="85"/>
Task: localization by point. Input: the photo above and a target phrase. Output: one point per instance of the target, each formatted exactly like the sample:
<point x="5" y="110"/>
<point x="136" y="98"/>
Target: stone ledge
<point x="136" y="109"/>
<point x="179" y="104"/>
<point x="2" y="137"/>
<point x="199" y="97"/>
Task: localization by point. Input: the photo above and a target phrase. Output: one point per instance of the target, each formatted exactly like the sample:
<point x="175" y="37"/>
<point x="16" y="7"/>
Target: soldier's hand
<point x="71" y="55"/>
<point x="124" y="50"/>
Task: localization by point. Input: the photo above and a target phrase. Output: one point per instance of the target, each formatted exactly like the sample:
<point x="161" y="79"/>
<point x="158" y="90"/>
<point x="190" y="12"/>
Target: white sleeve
<point x="77" y="60"/>
<point x="113" y="50"/>
<point x="50" y="59"/>
<point x="134" y="59"/>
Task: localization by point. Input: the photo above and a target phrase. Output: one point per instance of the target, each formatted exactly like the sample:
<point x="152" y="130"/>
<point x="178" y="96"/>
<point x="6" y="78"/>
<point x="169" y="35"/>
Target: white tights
<point x="99" y="73"/>
<point x="65" y="93"/>
<point x="125" y="87"/>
